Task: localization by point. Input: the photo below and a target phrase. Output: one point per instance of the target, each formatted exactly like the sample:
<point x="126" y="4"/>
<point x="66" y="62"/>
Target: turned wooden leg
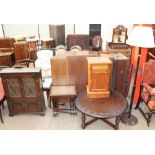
<point x="70" y="101"/>
<point x="1" y="116"/>
<point x="83" y="121"/>
<point x="71" y="106"/>
<point x="3" y="105"/>
<point x="149" y="119"/>
<point x="117" y="122"/>
<point x="49" y="103"/>
<point x="48" y="98"/>
<point x="74" y="108"/>
<point x="2" y="102"/>
<point x="54" y="107"/>
<point x="57" y="106"/>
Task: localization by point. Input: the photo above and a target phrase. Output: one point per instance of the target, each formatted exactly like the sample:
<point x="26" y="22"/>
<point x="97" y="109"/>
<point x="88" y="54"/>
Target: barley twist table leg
<point x="83" y="121"/>
<point x="118" y="118"/>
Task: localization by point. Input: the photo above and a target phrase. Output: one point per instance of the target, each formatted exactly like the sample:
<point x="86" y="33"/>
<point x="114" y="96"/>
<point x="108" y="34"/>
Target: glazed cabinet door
<point x="13" y="94"/>
<point x="31" y="94"/>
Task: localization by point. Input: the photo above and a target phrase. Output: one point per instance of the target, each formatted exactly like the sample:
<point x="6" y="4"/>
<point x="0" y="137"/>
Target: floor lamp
<point x="141" y="39"/>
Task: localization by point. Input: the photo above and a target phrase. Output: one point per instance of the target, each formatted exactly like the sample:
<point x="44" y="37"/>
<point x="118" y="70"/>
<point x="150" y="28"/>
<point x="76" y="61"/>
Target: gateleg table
<point x="103" y="108"/>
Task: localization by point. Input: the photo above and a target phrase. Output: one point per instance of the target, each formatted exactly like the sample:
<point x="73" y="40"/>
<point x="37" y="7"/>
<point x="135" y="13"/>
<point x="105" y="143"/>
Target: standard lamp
<point x="141" y="39"/>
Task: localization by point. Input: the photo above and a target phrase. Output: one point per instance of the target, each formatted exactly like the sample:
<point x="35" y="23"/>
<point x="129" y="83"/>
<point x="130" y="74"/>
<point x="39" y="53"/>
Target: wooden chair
<point x="1" y="99"/>
<point x="76" y="47"/>
<point x="147" y="94"/>
<point x="43" y="62"/>
<point x="2" y="95"/>
<point x="60" y="47"/>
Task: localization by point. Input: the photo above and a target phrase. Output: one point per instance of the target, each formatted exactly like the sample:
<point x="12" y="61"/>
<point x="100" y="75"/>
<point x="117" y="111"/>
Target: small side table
<point x="63" y="92"/>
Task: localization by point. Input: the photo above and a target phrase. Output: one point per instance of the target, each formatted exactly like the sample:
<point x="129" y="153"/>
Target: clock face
<point x="97" y="41"/>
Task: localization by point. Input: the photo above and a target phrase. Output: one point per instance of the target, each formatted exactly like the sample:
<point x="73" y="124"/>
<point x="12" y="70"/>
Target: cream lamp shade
<point x="141" y="37"/>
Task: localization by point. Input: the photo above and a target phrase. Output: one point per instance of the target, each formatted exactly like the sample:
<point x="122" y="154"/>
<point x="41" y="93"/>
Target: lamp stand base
<point x="132" y="120"/>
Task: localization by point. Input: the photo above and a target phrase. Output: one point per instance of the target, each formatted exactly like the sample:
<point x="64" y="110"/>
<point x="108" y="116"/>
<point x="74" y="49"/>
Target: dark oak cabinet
<point x="57" y="32"/>
<point x="120" y="73"/>
<point x="23" y="90"/>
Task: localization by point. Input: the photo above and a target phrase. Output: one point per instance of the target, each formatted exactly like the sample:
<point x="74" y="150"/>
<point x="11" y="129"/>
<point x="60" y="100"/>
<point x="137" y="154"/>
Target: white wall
<point x="32" y="29"/>
<point x="44" y="31"/>
<point x="69" y="29"/>
<point x="26" y="30"/>
<point x="81" y="28"/>
<point x="20" y="30"/>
